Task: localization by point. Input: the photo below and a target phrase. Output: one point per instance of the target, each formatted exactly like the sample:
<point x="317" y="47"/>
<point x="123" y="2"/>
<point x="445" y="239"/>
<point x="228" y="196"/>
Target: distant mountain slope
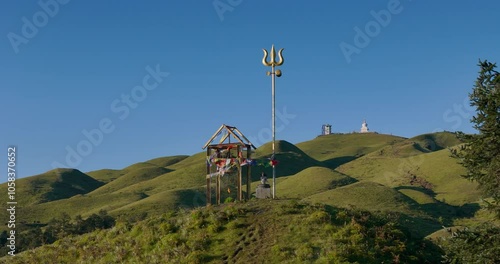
<point x="311" y="181"/>
<point x="51" y="186"/>
<point x="163" y="202"/>
<point x="291" y="159"/>
<point x="167" y="161"/>
<point x="436" y="172"/>
<point x="416" y="170"/>
<point x="436" y="141"/>
<point x="191" y="171"/>
<point x="336" y="149"/>
<point x="131" y="177"/>
<point x="108" y="175"/>
<point x="365" y="195"/>
<point x="105" y="175"/>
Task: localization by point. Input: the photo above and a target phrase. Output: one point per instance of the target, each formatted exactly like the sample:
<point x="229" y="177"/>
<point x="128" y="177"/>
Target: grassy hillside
<point x="366" y="196"/>
<point x="436" y="173"/>
<point x="436" y="141"/>
<point x="379" y="173"/>
<point x="336" y="149"/>
<point x="311" y="181"/>
<point x="291" y="159"/>
<point x="108" y="175"/>
<point x="131" y="177"/>
<point x="50" y="186"/>
<point x="262" y="231"/>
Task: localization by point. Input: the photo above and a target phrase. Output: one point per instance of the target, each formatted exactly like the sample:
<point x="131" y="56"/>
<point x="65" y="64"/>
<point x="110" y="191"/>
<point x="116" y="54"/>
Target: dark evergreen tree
<point x="480" y="154"/>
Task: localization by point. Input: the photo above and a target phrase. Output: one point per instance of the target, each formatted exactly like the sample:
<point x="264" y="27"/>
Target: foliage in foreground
<point x="37" y="235"/>
<point x="480" y="155"/>
<point x="275" y="231"/>
<point x="473" y="245"/>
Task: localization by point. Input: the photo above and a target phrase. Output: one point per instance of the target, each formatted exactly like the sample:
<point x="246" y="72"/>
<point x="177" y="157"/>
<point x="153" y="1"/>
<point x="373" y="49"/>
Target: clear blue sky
<point x="411" y="78"/>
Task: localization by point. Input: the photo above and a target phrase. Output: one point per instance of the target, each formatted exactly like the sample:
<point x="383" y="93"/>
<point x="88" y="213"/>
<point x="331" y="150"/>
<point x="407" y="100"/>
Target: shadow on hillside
<point x="423" y="149"/>
<point x="442" y="212"/>
<point x="413" y="226"/>
<point x="429" y="192"/>
<point x="336" y="162"/>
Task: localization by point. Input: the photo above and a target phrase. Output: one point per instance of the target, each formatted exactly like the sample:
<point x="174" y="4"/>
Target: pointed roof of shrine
<point x="226" y="132"/>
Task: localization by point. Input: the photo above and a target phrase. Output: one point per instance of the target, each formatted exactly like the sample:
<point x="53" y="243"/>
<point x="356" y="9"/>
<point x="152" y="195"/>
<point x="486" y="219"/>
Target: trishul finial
<point x="273" y="57"/>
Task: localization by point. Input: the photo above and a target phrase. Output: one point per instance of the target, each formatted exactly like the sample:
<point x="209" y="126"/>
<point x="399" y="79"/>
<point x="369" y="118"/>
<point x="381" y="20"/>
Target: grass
<point x="106" y="175"/>
<point x="50" y="186"/>
<point x="263" y="231"/>
<point x="418" y="196"/>
<point x="374" y="172"/>
<point x="365" y="196"/>
<point x="336" y="149"/>
<point x="311" y="181"/>
<point x="55" y="187"/>
<point x="131" y="177"/>
<point x="438" y="169"/>
<point x="436" y="141"/>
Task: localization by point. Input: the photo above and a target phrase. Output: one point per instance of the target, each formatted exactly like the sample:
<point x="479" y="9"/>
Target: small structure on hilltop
<point x="263" y="190"/>
<point x="225" y="162"/>
<point x="364" y="127"/>
<point x="326" y="129"/>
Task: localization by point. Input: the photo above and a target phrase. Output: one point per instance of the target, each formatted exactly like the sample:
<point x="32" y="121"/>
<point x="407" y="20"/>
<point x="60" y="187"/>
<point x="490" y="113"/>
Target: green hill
<point x="436" y="141"/>
<point x="436" y="172"/>
<point x="106" y="175"/>
<point x="57" y="186"/>
<point x="132" y="176"/>
<point x="262" y="231"/>
<point x="414" y="178"/>
<point x="291" y="159"/>
<point x="311" y="181"/>
<point x="336" y="149"/>
<point x="51" y="186"/>
<point x="366" y="196"/>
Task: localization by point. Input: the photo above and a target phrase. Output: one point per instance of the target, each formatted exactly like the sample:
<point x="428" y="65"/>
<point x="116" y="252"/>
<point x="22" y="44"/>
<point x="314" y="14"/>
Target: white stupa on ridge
<point x="364" y="127"/>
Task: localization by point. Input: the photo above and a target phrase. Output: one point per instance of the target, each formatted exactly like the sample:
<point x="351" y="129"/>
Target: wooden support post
<point x="240" y="189"/>
<point x="249" y="175"/>
<point x="209" y="179"/>
<point x="217" y="192"/>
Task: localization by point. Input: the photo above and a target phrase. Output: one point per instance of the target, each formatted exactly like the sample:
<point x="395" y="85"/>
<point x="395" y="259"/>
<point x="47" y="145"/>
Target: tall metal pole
<point x="273" y="74"/>
<point x="273" y="77"/>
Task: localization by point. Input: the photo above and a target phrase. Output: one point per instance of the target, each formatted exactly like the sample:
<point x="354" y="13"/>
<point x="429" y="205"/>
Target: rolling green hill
<point x="436" y="172"/>
<point x="336" y="149"/>
<point x="414" y="178"/>
<point x="132" y="176"/>
<point x="311" y="181"/>
<point x="51" y="186"/>
<point x="262" y="231"/>
<point x="436" y="141"/>
<point x="365" y="196"/>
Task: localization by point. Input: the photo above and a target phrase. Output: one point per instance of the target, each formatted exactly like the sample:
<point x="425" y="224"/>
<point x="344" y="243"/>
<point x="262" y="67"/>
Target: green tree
<point x="479" y="244"/>
<point x="480" y="154"/>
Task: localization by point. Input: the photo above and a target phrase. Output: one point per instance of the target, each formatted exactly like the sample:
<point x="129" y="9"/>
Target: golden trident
<point x="273" y="63"/>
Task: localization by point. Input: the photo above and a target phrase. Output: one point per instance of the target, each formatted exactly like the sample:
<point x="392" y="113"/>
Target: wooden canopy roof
<point x="230" y="131"/>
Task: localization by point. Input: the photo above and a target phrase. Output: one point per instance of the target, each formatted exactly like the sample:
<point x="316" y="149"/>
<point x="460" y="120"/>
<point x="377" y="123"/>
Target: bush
<point x="319" y="217"/>
<point x="475" y="245"/>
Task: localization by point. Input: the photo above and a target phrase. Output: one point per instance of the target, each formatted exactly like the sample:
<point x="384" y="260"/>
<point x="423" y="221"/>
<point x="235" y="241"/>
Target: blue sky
<point x="66" y="66"/>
